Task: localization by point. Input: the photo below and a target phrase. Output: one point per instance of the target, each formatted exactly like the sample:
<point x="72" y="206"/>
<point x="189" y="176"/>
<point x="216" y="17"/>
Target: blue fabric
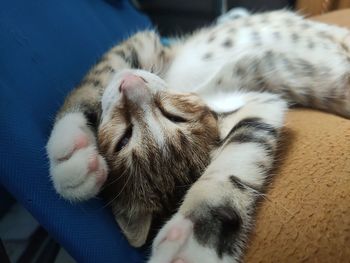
<point x="46" y="47"/>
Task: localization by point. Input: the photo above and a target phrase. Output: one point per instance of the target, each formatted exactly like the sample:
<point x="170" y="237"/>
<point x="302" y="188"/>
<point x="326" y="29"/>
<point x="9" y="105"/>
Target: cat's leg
<point x="77" y="169"/>
<point x="214" y="220"/>
<point x="319" y="79"/>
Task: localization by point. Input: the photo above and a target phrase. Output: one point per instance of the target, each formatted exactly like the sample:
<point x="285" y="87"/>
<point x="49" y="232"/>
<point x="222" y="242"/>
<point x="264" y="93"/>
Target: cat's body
<point x="276" y="51"/>
<point x="153" y="140"/>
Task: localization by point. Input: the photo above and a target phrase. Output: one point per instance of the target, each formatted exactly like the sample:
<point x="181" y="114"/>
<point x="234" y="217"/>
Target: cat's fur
<point x="222" y="138"/>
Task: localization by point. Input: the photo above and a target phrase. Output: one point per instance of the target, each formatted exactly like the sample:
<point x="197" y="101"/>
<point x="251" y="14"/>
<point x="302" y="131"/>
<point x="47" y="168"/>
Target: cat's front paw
<point x="77" y="169"/>
<point x="168" y="244"/>
<point x="208" y="235"/>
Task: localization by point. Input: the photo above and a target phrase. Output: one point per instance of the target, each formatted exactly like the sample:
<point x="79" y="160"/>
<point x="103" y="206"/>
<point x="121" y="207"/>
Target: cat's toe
<point x="81" y="176"/>
<point x="177" y="229"/>
<point x="79" y="141"/>
<point x="170" y="240"/>
<point x="98" y="168"/>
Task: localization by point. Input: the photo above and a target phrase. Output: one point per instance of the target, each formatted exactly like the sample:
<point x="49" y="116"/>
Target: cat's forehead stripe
<point x="110" y="96"/>
<point x="155" y="128"/>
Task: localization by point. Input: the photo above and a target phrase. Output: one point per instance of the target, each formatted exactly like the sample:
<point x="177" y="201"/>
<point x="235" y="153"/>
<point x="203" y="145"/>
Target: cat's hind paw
<point x="77" y="169"/>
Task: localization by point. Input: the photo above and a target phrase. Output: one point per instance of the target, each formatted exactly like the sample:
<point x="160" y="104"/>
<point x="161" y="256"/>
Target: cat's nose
<point x="131" y="81"/>
<point x="134" y="89"/>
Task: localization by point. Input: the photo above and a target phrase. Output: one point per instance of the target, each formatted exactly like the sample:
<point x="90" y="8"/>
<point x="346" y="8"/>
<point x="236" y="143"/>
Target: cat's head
<point x="156" y="144"/>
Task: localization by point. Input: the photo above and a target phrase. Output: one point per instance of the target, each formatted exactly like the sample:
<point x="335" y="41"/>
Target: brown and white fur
<point x="210" y="117"/>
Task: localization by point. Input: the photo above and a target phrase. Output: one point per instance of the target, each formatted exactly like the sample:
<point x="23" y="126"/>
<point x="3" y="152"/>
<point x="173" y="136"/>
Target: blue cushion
<point x="46" y="47"/>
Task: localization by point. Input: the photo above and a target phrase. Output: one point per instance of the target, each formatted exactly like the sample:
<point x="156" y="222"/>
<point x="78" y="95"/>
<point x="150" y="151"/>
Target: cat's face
<point x="156" y="144"/>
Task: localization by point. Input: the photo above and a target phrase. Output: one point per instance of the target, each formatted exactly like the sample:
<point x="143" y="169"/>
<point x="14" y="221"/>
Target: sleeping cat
<point x="197" y="121"/>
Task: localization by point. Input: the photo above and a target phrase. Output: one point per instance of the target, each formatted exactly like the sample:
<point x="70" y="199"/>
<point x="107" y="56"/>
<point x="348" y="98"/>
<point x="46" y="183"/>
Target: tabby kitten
<point x="210" y="117"/>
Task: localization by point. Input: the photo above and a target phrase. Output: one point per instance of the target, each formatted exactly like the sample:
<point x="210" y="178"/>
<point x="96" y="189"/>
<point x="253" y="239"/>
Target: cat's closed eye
<point x="124" y="140"/>
<point x="171" y="116"/>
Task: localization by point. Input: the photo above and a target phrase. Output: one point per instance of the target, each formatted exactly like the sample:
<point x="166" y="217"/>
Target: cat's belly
<point x="203" y="56"/>
<point x="195" y="64"/>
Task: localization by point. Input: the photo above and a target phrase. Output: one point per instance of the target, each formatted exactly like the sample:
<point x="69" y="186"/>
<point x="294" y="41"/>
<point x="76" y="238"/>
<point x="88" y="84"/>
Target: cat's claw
<point x="77" y="169"/>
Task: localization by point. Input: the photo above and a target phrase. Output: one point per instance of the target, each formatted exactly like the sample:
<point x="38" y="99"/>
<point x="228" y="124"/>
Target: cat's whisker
<point x="279" y="205"/>
<point x="130" y="216"/>
<point x="265" y="196"/>
<point x="114" y="181"/>
<point x="121" y="191"/>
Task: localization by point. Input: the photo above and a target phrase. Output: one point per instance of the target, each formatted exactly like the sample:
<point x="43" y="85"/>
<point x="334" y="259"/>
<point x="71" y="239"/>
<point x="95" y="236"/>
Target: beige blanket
<point x="305" y="215"/>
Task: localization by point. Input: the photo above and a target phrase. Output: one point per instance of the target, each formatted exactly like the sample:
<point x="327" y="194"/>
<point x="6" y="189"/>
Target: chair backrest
<point x="45" y="49"/>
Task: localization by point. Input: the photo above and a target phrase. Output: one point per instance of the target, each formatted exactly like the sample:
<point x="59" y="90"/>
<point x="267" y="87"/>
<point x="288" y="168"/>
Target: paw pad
<point x="81" y="141"/>
<point x="174" y="234"/>
<point x="101" y="177"/>
<point x="93" y="163"/>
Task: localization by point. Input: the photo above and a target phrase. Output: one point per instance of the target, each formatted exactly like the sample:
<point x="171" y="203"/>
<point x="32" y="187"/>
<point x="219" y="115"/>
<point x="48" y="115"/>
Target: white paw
<point x="232" y="14"/>
<point x="171" y="239"/>
<point x="176" y="243"/>
<point x="77" y="169"/>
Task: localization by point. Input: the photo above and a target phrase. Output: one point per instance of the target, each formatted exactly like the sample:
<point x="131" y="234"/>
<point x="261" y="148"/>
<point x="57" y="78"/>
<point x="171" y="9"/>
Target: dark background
<point x="183" y="16"/>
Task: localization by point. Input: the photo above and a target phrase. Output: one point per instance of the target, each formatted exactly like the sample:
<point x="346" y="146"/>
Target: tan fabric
<point x="340" y="18"/>
<point x="317" y="7"/>
<point x="305" y="216"/>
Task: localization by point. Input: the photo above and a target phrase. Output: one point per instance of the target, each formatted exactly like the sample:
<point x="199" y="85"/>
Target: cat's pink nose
<point x="131" y="81"/>
<point x="134" y="89"/>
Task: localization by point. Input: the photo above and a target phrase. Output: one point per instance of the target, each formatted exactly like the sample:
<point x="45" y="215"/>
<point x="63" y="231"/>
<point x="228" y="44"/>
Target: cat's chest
<point x="196" y="63"/>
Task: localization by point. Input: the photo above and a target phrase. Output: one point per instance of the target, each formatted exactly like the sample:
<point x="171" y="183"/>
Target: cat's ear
<point x="135" y="227"/>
